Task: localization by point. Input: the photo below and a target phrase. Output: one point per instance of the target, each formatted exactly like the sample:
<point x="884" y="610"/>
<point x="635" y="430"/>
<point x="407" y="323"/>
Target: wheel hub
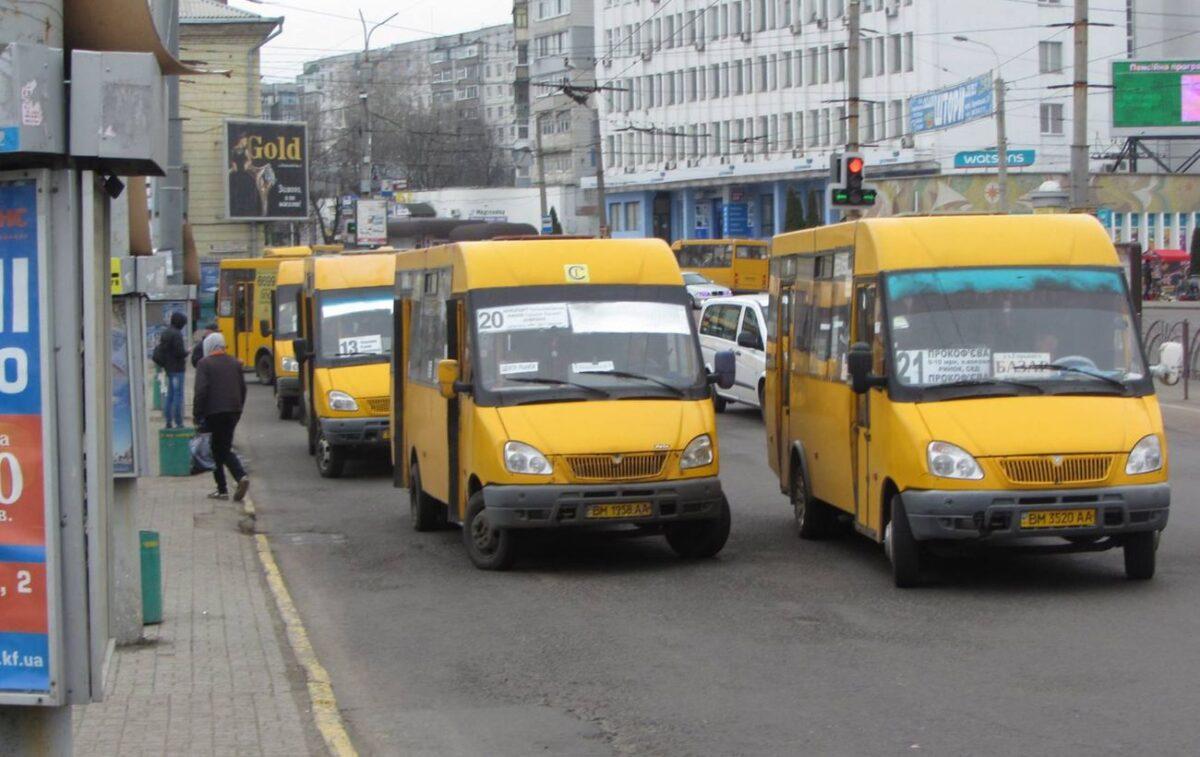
<point x="482" y="534"/>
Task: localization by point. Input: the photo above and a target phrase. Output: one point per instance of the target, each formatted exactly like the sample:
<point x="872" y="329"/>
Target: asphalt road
<point x="598" y="645"/>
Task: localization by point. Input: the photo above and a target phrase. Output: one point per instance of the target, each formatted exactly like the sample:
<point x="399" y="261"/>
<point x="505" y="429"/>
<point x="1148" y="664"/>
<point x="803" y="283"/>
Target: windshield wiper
<point x="626" y="374"/>
<point x="556" y="382"/>
<point x="360" y="354"/>
<point x="988" y="382"/>
<point x="1072" y="369"/>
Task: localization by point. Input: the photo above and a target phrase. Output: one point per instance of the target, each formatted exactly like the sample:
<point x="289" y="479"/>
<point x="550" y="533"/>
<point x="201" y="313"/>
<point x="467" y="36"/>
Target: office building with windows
<point x="728" y="111"/>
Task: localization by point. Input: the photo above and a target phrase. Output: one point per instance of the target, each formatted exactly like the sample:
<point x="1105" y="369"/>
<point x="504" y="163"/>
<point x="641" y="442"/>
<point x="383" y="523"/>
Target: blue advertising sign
<point x="736" y="219"/>
<point x="10" y="138"/>
<point x="951" y="106"/>
<point x="24" y="494"/>
<point x="991" y="158"/>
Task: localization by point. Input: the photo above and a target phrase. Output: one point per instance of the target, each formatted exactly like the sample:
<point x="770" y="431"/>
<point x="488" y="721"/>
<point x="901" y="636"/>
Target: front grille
<point x="1057" y="469"/>
<point x="379" y="405"/>
<point x="623" y="467"/>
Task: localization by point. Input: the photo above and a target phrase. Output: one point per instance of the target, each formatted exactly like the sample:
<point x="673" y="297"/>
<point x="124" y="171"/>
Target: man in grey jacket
<point x="217" y="404"/>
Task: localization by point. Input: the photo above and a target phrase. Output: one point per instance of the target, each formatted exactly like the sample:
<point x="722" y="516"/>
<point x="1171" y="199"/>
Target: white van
<point x="738" y="324"/>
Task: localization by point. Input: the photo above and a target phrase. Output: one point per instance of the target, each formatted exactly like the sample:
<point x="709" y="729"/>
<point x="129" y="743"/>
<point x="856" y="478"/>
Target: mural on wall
<point x="1121" y="193"/>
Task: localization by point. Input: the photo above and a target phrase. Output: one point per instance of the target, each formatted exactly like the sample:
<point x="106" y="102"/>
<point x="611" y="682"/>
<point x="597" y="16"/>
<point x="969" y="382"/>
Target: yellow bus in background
<point x="244" y="302"/>
<point x="944" y="381"/>
<point x="551" y="384"/>
<point x="344" y="350"/>
<point x="285" y="327"/>
<point x="738" y="264"/>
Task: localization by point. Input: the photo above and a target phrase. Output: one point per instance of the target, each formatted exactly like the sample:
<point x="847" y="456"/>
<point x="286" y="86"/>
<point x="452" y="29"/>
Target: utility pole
<point x="541" y="166"/>
<point x="601" y="202"/>
<point x="1079" y="112"/>
<point x="854" y="29"/>
<point x="1001" y="137"/>
<point x="366" y="81"/>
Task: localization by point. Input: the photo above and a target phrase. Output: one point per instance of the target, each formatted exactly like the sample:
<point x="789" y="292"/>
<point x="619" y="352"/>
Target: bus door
<point x="399" y="440"/>
<point x="866" y="329"/>
<point x="780" y="423"/>
<point x="243" y="321"/>
<point x="457" y="408"/>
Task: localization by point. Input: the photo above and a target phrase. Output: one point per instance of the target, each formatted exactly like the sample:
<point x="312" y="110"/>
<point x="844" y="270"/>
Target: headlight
<point x="341" y="401"/>
<point x="950" y="461"/>
<point x="519" y="457"/>
<point x="290" y="364"/>
<point x="1145" y="457"/>
<point x="699" y="452"/>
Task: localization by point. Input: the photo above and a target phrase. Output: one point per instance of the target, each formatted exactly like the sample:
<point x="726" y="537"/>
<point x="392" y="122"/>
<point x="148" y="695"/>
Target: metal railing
<point x="1161" y="331"/>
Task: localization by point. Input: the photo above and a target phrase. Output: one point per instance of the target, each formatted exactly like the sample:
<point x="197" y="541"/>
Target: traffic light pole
<point x="854" y="29"/>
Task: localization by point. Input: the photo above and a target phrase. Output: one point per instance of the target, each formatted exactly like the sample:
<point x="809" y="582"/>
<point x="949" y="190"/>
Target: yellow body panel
<point x="557" y="429"/>
<point x="291" y="273"/>
<point x="741" y="275"/>
<point x="810" y="406"/>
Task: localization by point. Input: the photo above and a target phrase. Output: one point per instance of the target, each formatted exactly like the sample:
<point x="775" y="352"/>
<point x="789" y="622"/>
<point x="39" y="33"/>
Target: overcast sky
<point x="317" y="28"/>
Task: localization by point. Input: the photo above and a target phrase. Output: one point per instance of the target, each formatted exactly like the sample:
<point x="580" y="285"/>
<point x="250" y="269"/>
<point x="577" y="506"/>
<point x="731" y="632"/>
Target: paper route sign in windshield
<point x="586" y="317"/>
<point x="943" y="365"/>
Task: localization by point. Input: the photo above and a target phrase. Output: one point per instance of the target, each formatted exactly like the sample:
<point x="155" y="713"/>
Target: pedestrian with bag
<point x="220" y="395"/>
<point x="171" y="354"/>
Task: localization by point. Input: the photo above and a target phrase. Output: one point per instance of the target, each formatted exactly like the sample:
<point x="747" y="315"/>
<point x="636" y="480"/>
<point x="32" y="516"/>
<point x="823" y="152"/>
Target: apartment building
<point x="725" y="108"/>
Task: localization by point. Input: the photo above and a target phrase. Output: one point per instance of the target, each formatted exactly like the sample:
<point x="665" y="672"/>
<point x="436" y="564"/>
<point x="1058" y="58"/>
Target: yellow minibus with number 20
<point x="549" y="384"/>
<point x="944" y="381"/>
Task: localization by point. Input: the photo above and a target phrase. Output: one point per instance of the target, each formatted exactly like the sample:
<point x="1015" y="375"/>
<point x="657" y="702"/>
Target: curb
<point x="320" y="690"/>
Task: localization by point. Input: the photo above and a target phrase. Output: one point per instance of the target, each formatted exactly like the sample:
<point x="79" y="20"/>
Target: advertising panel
<point x="991" y="158"/>
<point x="371" y="217"/>
<point x="26" y="494"/>
<point x="951" y="106"/>
<point x="1156" y="98"/>
<point x="266" y="165"/>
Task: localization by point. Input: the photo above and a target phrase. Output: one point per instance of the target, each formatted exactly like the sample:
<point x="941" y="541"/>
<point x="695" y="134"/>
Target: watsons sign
<point x="991" y="158"/>
<point x="951" y="106"/>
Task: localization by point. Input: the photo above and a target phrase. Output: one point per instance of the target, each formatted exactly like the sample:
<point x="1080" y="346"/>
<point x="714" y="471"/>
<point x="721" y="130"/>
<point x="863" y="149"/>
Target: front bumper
<point x="287" y="387"/>
<point x="558" y="506"/>
<point x="996" y="515"/>
<point x="356" y="432"/>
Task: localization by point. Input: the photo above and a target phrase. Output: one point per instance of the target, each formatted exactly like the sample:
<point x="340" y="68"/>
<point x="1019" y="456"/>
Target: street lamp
<point x="1001" y="141"/>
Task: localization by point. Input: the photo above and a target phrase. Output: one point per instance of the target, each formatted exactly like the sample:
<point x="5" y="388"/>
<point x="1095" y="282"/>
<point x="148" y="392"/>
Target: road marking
<point x="1173" y="406"/>
<point x="320" y="691"/>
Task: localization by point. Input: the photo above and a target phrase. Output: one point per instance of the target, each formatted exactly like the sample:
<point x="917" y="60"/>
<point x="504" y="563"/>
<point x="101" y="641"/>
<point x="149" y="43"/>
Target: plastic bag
<point x="202" y="458"/>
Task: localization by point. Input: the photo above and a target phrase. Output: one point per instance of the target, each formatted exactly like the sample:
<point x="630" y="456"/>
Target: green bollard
<point x="152" y="589"/>
<point x="174" y="451"/>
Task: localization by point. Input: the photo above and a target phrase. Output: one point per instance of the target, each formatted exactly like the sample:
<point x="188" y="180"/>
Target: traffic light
<point x="847" y="189"/>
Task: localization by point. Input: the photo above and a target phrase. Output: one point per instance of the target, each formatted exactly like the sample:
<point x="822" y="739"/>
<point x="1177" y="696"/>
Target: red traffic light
<point x="855" y="165"/>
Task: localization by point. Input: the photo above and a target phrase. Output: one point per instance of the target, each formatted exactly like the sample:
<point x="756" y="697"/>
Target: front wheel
<point x="700" y="538"/>
<point x="903" y="549"/>
<point x="330" y="459"/>
<point x="1140" y="555"/>
<point x="489" y="548"/>
<point x="264" y="368"/>
<point x="814" y="519"/>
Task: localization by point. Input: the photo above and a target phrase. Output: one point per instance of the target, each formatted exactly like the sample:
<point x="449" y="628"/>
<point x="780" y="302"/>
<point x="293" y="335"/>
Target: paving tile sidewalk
<point x="215" y="677"/>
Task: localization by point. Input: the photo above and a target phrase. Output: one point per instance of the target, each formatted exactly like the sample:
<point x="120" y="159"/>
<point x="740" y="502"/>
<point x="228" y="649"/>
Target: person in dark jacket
<point x="217" y="405"/>
<point x="198" y="350"/>
<point x="171" y="355"/>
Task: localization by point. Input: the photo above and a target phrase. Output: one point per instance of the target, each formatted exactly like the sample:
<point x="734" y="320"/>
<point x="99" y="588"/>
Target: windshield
<point x="583" y="349"/>
<point x="286" y="324"/>
<point x="355" y="323"/>
<point x="1035" y="330"/>
<point x="694" y="278"/>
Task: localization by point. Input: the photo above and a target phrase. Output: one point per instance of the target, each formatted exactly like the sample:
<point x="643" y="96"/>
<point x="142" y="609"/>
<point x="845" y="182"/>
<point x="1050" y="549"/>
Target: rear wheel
<point x="264" y="368"/>
<point x="814" y="519"/>
<point x="427" y="514"/>
<point x="700" y="538"/>
<point x="762" y="398"/>
<point x="310" y="425"/>
<point x="903" y="550"/>
<point x="489" y="548"/>
<point x="331" y="460"/>
<point x="1140" y="555"/>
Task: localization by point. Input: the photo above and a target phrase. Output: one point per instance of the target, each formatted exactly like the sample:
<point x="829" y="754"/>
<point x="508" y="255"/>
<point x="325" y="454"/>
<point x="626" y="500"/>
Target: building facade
<point x="727" y="112"/>
<point x="281" y="102"/>
<point x="225" y="38"/>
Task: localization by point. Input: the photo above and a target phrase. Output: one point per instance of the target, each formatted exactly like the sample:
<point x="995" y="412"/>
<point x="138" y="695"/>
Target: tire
<point x="719" y="402"/>
<point x="264" y="368"/>
<point x="1140" y="555"/>
<point x="814" y="519"/>
<point x="331" y="461"/>
<point x="489" y="548"/>
<point x="286" y="408"/>
<point x="699" y="539"/>
<point x="310" y="425"/>
<point x="762" y="399"/>
<point x="427" y="514"/>
<point x="903" y="550"/>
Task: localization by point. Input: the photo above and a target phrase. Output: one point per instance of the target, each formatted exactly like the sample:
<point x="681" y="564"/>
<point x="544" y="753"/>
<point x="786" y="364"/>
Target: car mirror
<point x="447" y="377"/>
<point x="724" y="369"/>
<point x="749" y="341"/>
<point x="858" y="364"/>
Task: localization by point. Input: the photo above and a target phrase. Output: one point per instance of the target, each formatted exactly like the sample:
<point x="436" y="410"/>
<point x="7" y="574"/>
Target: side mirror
<point x="300" y="349"/>
<point x="858" y="364"/>
<point x="724" y="369"/>
<point x="749" y="341"/>
<point x="264" y="327"/>
<point x="447" y="378"/>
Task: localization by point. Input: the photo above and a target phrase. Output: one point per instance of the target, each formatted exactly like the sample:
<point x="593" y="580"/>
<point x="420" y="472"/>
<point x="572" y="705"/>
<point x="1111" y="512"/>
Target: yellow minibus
<point x="554" y="383"/>
<point x="344" y="350"/>
<point x="285" y="327"/>
<point x="738" y="264"/>
<point x="944" y="381"/>
<point x="244" y="311"/>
